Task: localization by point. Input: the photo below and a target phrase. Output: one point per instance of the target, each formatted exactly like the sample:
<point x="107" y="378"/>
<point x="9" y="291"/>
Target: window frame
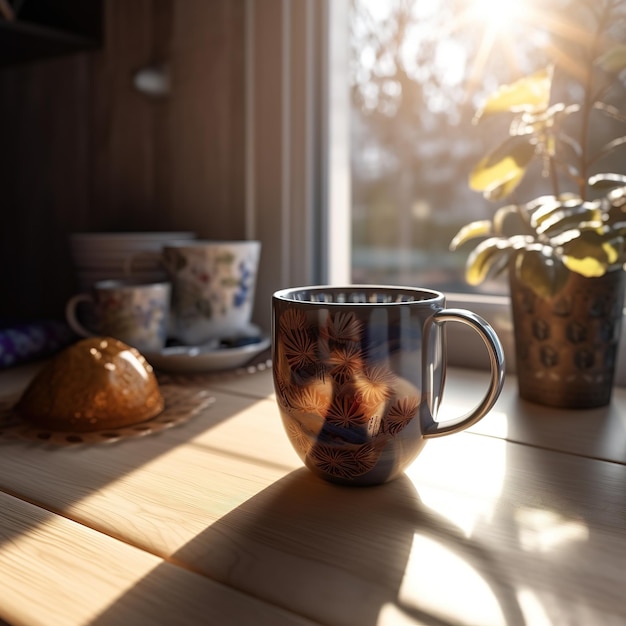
<point x="298" y="199"/>
<point x="294" y="146"/>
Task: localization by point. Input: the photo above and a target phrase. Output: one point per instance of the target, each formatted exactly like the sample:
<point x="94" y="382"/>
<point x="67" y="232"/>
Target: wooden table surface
<point x="519" y="521"/>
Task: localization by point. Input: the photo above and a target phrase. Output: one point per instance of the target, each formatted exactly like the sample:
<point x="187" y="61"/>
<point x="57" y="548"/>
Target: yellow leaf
<point x="531" y="93"/>
<point x="570" y="218"/>
<point x="501" y="216"/>
<point x="540" y="211"/>
<point x="592" y="253"/>
<point x="500" y="192"/>
<point x="587" y="266"/>
<point x="501" y="171"/>
<point x="489" y="257"/>
<point x="472" y="230"/>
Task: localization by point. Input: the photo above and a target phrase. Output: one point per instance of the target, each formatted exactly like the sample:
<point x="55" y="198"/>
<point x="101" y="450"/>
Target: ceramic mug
<point x="134" y="312"/>
<point x="213" y="284"/>
<point x="359" y="375"/>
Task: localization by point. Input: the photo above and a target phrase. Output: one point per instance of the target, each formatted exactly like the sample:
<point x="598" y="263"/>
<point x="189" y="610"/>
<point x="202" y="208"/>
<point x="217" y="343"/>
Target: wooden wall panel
<point x="81" y="149"/>
<point x="206" y="125"/>
<point x="122" y="125"/>
<point x="44" y="182"/>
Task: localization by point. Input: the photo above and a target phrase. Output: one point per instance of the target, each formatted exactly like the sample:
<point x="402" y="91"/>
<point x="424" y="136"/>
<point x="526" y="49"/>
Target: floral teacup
<point x="213" y="285"/>
<point x="134" y="312"/>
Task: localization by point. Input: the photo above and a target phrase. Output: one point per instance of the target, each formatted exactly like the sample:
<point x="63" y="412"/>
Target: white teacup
<point x="103" y="255"/>
<point x="213" y="284"/>
<point x="134" y="312"/>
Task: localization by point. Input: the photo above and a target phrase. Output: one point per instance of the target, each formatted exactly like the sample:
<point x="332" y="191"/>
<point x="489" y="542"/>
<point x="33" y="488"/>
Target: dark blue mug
<point x="359" y="375"/>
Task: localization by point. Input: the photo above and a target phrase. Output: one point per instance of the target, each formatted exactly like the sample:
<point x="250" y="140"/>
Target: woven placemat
<point x="184" y="396"/>
<point x="198" y="379"/>
<point x="181" y="404"/>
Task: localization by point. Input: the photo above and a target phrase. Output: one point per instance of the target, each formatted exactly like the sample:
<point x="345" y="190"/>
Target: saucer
<point x="190" y="359"/>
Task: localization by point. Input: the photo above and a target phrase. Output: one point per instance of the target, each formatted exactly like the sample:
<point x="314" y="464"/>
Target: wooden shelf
<point x="48" y="29"/>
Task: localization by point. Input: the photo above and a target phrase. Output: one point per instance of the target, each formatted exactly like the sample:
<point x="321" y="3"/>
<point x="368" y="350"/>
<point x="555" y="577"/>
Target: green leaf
<point x="587" y="216"/>
<point x="499" y="173"/>
<point x="501" y="217"/>
<point x="531" y="93"/>
<point x="539" y="122"/>
<point x="472" y="230"/>
<point x="607" y="180"/>
<point x="569" y="142"/>
<point x="489" y="257"/>
<point x="536" y="268"/>
<point x="542" y="208"/>
<point x="610" y="111"/>
<point x="614" y="59"/>
<point x="560" y="224"/>
<point x="610" y="146"/>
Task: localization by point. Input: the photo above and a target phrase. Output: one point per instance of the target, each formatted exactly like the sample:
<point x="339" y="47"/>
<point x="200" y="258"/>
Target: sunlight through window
<point x="541" y="530"/>
<point x="419" y="71"/>
<point x="497" y="15"/>
<point x="533" y="610"/>
<point x="435" y="568"/>
<point x="477" y="472"/>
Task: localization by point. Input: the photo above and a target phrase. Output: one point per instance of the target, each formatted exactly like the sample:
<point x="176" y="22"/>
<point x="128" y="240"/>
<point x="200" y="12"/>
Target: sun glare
<point x="497" y="14"/>
<point x="498" y="21"/>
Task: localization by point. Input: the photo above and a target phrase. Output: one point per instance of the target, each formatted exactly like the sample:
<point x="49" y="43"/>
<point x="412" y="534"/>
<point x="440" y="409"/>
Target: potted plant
<point x="564" y="250"/>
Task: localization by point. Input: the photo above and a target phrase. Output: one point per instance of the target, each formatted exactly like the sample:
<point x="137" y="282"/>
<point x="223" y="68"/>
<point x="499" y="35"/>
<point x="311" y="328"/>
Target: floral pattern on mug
<point x="135" y="313"/>
<point x="133" y="317"/>
<point x="213" y="288"/>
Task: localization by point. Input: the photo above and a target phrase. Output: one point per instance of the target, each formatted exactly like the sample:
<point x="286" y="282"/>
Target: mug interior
<point x="358" y="294"/>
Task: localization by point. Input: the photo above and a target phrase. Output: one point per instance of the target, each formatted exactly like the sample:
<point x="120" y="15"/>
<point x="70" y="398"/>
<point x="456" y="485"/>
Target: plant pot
<point x="566" y="345"/>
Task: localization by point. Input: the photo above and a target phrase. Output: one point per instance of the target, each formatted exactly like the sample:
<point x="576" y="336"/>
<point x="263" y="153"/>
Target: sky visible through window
<point x="419" y="71"/>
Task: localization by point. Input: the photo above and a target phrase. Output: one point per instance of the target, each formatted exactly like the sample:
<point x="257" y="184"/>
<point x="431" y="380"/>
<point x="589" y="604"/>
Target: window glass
<point x="419" y="71"/>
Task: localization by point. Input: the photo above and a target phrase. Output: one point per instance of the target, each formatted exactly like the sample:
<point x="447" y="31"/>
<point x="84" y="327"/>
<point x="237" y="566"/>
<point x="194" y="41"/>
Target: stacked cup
<point x="190" y="291"/>
<point x="136" y="310"/>
<point x="213" y="284"/>
<point x="103" y="256"/>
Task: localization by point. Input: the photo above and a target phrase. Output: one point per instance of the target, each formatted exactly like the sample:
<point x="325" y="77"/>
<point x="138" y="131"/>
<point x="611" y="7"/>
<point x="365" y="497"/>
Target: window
<point x="349" y="180"/>
<point x="418" y="71"/>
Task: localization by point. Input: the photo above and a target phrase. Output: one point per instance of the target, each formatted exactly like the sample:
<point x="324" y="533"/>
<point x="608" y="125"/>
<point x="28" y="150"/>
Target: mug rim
<point x="429" y="296"/>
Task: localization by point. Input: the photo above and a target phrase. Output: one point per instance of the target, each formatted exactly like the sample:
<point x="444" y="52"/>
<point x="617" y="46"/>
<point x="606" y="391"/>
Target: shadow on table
<point x="329" y="553"/>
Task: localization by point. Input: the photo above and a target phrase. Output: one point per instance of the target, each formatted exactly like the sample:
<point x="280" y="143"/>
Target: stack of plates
<point x="104" y="256"/>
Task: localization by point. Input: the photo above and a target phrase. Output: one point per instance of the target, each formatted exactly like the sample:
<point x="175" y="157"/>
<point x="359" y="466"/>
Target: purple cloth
<point x="23" y="342"/>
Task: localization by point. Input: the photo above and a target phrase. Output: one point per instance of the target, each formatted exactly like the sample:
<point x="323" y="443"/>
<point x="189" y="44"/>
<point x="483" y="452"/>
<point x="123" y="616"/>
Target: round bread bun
<point x="94" y="384"/>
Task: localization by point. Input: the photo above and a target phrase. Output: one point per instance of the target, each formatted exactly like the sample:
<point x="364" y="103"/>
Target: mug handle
<point x="496" y="362"/>
<point x="71" y="317"/>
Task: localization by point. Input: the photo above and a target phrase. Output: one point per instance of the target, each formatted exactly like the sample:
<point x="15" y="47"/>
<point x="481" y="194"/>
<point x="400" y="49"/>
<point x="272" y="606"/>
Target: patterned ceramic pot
<point x="566" y="345"/>
<point x="359" y="374"/>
